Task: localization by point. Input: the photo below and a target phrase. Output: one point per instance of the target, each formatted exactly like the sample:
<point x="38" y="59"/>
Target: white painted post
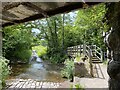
<point x="107" y="54"/>
<point x="101" y="55"/>
<point x="77" y="50"/>
<point x="80" y="50"/>
<point x="95" y="49"/>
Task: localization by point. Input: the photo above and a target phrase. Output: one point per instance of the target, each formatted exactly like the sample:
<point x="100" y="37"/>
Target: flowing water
<point x="40" y="71"/>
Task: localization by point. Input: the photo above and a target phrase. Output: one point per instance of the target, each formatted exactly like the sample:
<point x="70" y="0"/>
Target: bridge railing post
<point x="84" y="49"/>
<point x="80" y="50"/>
<point x="101" y="55"/>
<point x="95" y="49"/>
<point x="90" y="62"/>
<point x="70" y="50"/>
<point x="75" y="50"/>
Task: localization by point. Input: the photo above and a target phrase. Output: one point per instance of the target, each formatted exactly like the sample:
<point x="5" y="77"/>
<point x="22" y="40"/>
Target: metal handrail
<point x="89" y="52"/>
<point x="98" y="52"/>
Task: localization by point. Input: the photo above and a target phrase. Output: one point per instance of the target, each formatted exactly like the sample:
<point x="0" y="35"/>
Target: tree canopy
<point x="57" y="33"/>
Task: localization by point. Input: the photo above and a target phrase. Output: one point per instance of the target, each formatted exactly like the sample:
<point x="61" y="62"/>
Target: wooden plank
<point x="25" y="84"/>
<point x="14" y="84"/>
<point x="22" y="83"/>
<point x="40" y="84"/>
<point x="30" y="81"/>
<point x="18" y="85"/>
<point x="33" y="84"/>
<point x="37" y="84"/>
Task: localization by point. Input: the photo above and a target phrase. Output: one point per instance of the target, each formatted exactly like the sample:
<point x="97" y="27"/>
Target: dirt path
<point x="100" y="79"/>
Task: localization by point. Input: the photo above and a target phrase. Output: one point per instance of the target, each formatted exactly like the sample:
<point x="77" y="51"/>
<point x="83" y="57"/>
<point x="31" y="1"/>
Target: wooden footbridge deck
<point x="18" y="84"/>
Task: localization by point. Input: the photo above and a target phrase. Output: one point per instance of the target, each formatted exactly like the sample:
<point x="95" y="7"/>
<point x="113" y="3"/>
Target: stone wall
<point x="81" y="70"/>
<point x="0" y="43"/>
<point x="113" y="41"/>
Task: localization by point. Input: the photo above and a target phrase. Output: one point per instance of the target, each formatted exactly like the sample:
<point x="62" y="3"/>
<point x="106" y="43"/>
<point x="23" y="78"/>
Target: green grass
<point x="77" y="86"/>
<point x="105" y="62"/>
<point x="78" y="57"/>
<point x="41" y="50"/>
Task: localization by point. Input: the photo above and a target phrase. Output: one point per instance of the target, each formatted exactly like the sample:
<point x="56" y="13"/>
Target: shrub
<point x="68" y="70"/>
<point x="105" y="62"/>
<point x="23" y="55"/>
<point x="4" y="70"/>
<point x="57" y="58"/>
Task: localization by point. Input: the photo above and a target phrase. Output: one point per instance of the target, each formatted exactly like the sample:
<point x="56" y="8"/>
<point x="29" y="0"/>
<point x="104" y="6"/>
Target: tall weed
<point x="68" y="70"/>
<point x="4" y="71"/>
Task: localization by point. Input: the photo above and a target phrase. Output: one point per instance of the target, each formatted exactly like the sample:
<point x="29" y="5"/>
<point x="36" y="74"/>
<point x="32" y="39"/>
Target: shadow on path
<point x="98" y="71"/>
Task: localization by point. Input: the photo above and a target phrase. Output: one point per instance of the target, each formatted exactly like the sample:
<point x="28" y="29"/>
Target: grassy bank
<point x="41" y="50"/>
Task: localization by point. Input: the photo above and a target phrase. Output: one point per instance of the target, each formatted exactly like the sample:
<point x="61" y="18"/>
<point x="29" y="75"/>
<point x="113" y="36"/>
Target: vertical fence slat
<point x="77" y="50"/>
<point x="80" y="50"/>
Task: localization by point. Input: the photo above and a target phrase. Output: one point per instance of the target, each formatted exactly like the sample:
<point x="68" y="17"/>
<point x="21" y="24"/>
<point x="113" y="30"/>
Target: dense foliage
<point x="89" y="25"/>
<point x="41" y="50"/>
<point x="83" y="26"/>
<point x="4" y="71"/>
<point x="17" y="42"/>
<point x="52" y="32"/>
<point x="56" y="33"/>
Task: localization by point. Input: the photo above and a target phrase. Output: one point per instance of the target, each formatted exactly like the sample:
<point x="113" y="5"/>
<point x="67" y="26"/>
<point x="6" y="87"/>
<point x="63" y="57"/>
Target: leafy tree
<point x="17" y="41"/>
<point x="53" y="31"/>
<point x="89" y="23"/>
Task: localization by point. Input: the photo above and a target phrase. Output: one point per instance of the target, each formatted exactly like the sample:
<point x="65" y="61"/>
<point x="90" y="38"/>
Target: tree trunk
<point x="55" y="33"/>
<point x="113" y="41"/>
<point x="63" y="34"/>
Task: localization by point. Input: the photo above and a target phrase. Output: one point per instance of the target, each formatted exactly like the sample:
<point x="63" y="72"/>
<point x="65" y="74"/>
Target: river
<point x="40" y="71"/>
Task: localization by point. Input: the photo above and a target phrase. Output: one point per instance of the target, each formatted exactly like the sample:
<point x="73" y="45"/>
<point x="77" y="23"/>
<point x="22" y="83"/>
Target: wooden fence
<point x="88" y="50"/>
<point x="83" y="49"/>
